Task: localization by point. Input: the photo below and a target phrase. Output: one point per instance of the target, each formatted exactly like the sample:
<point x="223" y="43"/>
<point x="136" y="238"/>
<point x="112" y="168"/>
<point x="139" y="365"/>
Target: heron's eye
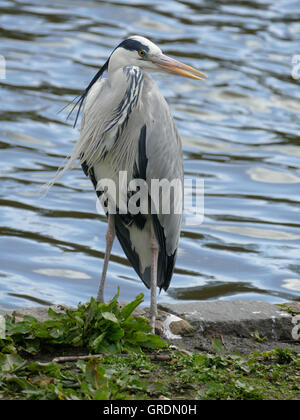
<point x="142" y="53"/>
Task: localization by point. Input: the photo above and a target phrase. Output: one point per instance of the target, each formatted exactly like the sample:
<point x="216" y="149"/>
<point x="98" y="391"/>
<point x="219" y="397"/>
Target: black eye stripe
<point x="133" y="45"/>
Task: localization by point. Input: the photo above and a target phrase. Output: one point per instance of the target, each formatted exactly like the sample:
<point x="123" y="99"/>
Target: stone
<point x="39" y="312"/>
<point x="240" y="318"/>
<point x="181" y="327"/>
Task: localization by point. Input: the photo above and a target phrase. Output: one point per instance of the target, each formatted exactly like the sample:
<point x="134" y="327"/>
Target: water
<point x="239" y="130"/>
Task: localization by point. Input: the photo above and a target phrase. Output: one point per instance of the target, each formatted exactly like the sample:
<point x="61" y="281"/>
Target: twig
<point x="64" y="359"/>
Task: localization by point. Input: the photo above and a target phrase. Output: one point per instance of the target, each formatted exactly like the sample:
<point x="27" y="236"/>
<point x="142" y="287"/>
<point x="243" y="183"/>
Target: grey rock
<point x="240" y="318"/>
<point x="5" y="311"/>
<point x="38" y="312"/>
<point x="182" y="327"/>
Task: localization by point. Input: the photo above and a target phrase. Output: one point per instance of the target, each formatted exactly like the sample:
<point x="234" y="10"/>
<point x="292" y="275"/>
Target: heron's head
<point x="139" y="51"/>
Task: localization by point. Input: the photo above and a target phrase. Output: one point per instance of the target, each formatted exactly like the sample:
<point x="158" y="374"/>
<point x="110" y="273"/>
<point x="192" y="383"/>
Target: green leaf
<point x="19" y="328"/>
<point x="20" y="382"/>
<point x="115" y="333"/>
<point x="113" y="305"/>
<point x="96" y="342"/>
<point x="11" y="362"/>
<point x="106" y="347"/>
<point x="32" y="346"/>
<point x="217" y="345"/>
<point x="55" y="315"/>
<point x="110" y="316"/>
<point x="130" y="307"/>
<point x="154" y="341"/>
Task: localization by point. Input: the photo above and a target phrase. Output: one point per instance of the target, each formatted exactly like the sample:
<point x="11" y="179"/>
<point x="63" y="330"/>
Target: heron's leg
<point x="110" y="236"/>
<point x="154" y="251"/>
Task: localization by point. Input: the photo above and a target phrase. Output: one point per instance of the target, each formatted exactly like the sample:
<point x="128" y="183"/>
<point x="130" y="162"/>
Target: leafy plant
<point x="99" y="327"/>
<point x="256" y="335"/>
<point x="285" y="307"/>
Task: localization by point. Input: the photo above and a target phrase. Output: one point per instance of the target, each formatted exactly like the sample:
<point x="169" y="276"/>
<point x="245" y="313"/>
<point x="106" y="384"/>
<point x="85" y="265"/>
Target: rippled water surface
<point x="240" y="132"/>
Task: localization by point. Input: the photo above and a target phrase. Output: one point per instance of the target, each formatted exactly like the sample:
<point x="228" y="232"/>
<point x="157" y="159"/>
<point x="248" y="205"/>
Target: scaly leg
<point x="110" y="236"/>
<point x="154" y="251"/>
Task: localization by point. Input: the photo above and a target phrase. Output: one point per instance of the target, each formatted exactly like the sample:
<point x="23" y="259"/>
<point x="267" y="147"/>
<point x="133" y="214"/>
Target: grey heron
<point x="127" y="126"/>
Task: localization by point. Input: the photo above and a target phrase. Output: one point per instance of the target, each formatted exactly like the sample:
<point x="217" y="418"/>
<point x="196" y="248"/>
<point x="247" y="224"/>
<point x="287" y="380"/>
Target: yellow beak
<point x="176" y="67"/>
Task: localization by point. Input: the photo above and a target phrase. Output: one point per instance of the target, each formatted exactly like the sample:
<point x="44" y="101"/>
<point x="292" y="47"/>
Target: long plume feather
<point x="73" y="157"/>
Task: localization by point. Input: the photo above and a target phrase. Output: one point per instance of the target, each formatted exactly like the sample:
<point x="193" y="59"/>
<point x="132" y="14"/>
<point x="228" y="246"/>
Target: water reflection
<point x="240" y="134"/>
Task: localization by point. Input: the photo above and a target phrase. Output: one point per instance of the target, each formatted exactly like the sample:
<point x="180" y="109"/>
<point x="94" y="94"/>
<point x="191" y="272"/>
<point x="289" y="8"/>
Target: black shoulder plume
<point x="85" y="92"/>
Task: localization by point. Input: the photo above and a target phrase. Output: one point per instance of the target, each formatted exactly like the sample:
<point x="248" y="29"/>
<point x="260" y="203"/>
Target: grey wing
<point x="159" y="157"/>
<point x="165" y="162"/>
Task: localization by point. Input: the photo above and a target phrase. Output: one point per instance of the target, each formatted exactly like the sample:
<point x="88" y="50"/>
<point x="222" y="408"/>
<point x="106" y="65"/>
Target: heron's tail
<point x="135" y="242"/>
